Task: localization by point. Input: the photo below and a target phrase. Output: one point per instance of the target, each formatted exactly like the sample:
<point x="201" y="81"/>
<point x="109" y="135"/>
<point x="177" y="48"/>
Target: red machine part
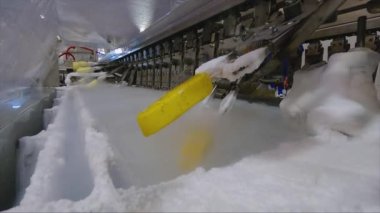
<point x="68" y="53"/>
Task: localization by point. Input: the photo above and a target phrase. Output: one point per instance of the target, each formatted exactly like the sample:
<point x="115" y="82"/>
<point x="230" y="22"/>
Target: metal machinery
<point x="282" y="25"/>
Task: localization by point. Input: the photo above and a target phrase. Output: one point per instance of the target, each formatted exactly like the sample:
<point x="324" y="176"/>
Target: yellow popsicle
<point x="174" y="103"/>
<point x="78" y="64"/>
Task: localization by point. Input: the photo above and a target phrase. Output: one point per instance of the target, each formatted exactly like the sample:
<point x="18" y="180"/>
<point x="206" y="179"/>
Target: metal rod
<point x="182" y="65"/>
<point x="310" y="25"/>
<point x="170" y="63"/>
<point x="361" y="31"/>
<point x="154" y="67"/>
<point x="161" y="63"/>
<point x="216" y="46"/>
<point x="197" y="50"/>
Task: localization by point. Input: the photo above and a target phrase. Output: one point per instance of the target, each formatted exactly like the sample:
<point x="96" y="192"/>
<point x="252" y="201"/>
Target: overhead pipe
<point x="69" y="48"/>
<point x="67" y="54"/>
<point x="88" y="49"/>
<point x="82" y="47"/>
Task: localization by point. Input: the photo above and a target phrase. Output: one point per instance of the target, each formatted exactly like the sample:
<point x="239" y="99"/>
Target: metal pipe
<point x="361" y="31"/>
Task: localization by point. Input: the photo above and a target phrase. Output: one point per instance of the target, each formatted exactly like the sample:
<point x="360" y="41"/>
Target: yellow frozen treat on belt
<point x="78" y="64"/>
<point x="174" y="103"/>
<point x="194" y="150"/>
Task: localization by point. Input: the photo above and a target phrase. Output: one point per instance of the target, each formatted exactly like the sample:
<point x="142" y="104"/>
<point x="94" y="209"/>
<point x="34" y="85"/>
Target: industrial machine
<point x="164" y="54"/>
<point x="298" y="34"/>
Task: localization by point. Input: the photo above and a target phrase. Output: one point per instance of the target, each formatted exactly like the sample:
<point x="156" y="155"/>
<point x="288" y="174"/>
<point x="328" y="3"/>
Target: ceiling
<point x="115" y="22"/>
<point x="128" y="23"/>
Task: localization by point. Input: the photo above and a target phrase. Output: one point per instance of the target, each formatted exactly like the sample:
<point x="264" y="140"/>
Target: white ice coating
<point x="97" y="75"/>
<point x="222" y="67"/>
<point x="338" y="96"/>
<point x="92" y="157"/>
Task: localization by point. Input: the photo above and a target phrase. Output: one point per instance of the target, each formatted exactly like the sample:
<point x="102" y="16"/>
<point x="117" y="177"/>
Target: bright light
<point x="142" y="28"/>
<point x="16" y="106"/>
<point x="142" y="14"/>
<point x="118" y="51"/>
<point x="42" y="16"/>
<point x="102" y="51"/>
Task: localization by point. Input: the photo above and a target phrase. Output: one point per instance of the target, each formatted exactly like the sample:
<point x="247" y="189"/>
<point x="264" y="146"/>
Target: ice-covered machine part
<point x="223" y="67"/>
<point x="28" y="61"/>
<point x="98" y="75"/>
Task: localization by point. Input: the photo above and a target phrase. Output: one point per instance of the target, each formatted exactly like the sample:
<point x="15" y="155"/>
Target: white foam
<point x="222" y="67"/>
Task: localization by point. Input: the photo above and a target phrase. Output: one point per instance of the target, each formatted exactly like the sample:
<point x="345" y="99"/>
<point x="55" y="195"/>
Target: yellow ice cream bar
<point x="174" y="103"/>
<point x="78" y="64"/>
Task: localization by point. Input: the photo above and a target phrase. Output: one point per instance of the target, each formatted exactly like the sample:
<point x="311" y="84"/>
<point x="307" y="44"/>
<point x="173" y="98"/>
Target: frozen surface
<point x="275" y="170"/>
<point x="92" y="157"/>
<point x="145" y="161"/>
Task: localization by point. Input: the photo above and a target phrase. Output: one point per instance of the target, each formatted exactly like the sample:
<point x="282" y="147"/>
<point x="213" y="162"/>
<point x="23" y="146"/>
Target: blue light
<point x="16" y="106"/>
